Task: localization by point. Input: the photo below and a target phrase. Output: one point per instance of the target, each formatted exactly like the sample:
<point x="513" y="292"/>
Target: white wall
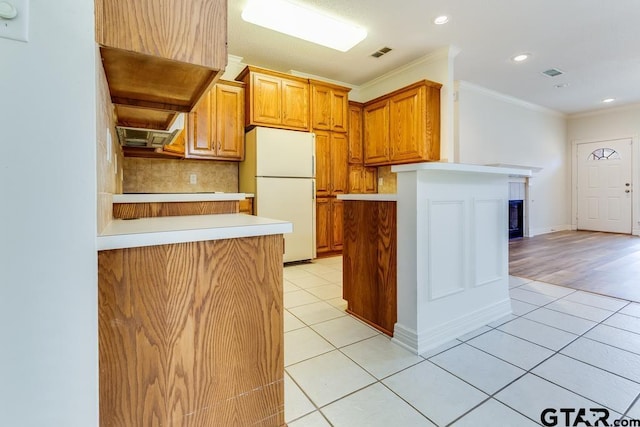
<point x="493" y="128"/>
<point x="614" y="123"/>
<point x="48" y="277"/>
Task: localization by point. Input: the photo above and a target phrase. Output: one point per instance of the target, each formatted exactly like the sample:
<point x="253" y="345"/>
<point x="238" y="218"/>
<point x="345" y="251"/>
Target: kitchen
<point x="61" y="380"/>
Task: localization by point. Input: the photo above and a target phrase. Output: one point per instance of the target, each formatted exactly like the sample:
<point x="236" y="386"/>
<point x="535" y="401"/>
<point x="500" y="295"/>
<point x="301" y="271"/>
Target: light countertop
<point x="460" y="168"/>
<point x="178" y="197"/>
<point x="122" y="233"/>
<point x="379" y="197"/>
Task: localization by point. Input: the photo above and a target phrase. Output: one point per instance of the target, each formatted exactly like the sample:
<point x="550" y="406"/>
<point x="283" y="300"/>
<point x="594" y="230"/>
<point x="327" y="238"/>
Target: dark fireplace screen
<point x="516" y="219"/>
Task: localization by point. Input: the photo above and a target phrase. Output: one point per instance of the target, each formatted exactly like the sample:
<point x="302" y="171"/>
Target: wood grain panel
<point x="192" y="334"/>
<point x="147" y="210"/>
<point x="355" y="133"/>
<point x="157" y="83"/>
<point x="190" y="31"/>
<point x="144" y="117"/>
<point x="369" y="262"/>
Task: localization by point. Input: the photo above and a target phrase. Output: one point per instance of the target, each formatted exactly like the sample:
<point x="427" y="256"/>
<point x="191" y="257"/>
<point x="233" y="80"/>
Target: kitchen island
<point x="191" y="321"/>
<point x="452" y="250"/>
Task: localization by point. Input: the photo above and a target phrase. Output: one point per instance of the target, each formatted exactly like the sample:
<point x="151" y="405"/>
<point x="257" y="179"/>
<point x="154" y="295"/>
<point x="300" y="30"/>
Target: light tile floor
<point x="561" y="348"/>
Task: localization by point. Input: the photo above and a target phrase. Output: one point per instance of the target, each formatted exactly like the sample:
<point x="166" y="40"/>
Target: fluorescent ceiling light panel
<point x="303" y="23"/>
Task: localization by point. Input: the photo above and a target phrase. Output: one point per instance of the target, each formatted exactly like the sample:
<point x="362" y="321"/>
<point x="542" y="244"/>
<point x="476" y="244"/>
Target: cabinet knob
<point x="219" y="145"/>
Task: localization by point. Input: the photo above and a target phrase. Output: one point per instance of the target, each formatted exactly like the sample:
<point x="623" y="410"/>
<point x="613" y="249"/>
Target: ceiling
<point x="595" y="42"/>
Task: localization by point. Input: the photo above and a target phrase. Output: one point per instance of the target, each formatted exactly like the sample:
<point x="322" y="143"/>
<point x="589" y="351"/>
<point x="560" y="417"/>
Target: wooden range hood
<point x="160" y="56"/>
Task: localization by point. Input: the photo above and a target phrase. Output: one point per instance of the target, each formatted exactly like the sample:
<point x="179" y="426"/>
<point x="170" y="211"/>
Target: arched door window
<point x="604" y="154"/>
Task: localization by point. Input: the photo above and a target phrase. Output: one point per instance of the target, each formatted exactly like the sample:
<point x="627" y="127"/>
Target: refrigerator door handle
<point x="313" y="190"/>
<point x="313" y="166"/>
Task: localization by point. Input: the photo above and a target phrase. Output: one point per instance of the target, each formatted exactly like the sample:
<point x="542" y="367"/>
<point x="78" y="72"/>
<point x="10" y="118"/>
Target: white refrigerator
<point x="279" y="169"/>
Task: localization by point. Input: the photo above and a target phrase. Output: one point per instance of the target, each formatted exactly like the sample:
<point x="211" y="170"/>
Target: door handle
<point x="627" y="191"/>
<point x="627" y="184"/>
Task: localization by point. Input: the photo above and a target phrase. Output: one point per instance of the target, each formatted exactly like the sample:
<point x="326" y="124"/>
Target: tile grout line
<point x="492" y="328"/>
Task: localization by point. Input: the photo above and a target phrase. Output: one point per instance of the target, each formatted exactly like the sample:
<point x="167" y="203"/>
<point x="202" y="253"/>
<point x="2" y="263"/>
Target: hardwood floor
<point x="603" y="263"/>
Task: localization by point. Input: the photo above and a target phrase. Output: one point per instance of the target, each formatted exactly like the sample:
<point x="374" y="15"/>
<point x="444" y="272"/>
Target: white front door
<point x="604" y="186"/>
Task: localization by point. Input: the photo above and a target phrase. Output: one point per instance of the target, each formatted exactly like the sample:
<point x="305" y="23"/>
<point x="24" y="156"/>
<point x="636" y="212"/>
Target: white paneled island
<point x="452" y="255"/>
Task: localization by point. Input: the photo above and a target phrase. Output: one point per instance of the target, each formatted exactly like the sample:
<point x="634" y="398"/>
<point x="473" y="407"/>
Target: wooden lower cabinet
<point x="369" y="262"/>
<point x="246" y="206"/>
<point x="328" y="225"/>
<point x="363" y="179"/>
<point x="191" y="334"/>
<point x="154" y="209"/>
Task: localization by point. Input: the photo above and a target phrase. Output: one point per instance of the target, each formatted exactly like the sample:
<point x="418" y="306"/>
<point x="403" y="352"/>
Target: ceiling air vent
<point x="380" y="52"/>
<point x="552" y="72"/>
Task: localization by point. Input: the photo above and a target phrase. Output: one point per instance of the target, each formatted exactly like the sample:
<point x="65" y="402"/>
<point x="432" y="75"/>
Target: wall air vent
<point x="380" y="52"/>
<point x="552" y="72"/>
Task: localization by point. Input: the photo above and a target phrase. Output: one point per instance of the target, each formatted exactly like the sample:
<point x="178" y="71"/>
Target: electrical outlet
<point x="380" y="181"/>
<point x="193" y="178"/>
<point x="14" y="27"/>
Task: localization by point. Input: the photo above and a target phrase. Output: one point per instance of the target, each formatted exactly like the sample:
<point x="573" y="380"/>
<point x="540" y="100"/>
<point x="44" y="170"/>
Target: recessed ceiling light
<point x="521" y="57"/>
<point x="440" y="20"/>
<point x="608" y="100"/>
<point x="304" y="23"/>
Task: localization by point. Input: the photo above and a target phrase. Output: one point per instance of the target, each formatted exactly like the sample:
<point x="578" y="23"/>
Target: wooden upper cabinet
<point x="323" y="163"/>
<point x="266" y="100"/>
<point x="331" y="163"/>
<point x="403" y="126"/>
<point x="160" y="55"/>
<point x="339" y="166"/>
<point x="295" y="104"/>
<point x="355" y="133"/>
<point x="329" y="106"/>
<point x="229" y="120"/>
<point x="275" y="100"/>
<point x="376" y="132"/>
<point x="215" y="128"/>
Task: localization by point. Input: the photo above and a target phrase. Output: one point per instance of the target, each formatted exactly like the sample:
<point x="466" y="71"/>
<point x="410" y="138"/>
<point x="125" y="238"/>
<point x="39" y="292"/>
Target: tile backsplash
<point x="143" y="175"/>
<point x="109" y="158"/>
<point x="389" y="180"/>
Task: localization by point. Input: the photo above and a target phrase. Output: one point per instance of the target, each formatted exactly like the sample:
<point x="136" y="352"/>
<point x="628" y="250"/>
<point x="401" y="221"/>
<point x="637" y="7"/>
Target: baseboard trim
<point x="430" y="338"/>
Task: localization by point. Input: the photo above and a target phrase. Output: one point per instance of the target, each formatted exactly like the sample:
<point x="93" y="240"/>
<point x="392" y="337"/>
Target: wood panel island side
<point x="191" y="321"/>
<point x="369" y="258"/>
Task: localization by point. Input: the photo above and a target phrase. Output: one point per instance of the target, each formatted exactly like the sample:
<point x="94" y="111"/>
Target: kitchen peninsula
<point x="448" y="241"/>
<point x="191" y="321"/>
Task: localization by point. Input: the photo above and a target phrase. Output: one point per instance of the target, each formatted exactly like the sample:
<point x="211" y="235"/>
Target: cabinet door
<point x="370" y="180"/>
<point x="355" y="179"/>
<point x="339" y="110"/>
<point x="320" y="107"/>
<point x="355" y="134"/>
<point x="336" y="224"/>
<point x="323" y="225"/>
<point x="406" y="126"/>
<point x="229" y="121"/>
<point x="376" y="133"/>
<point x="295" y="104"/>
<point x="339" y="163"/>
<point x="200" y="141"/>
<point x="323" y="163"/>
<point x="266" y="102"/>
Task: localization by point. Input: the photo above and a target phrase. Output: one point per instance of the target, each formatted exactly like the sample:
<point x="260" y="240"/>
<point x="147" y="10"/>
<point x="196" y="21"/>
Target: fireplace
<point x="516" y="219"/>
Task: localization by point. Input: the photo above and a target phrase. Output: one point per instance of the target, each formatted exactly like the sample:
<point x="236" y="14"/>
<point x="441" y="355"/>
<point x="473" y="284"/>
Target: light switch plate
<point x="18" y="27"/>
